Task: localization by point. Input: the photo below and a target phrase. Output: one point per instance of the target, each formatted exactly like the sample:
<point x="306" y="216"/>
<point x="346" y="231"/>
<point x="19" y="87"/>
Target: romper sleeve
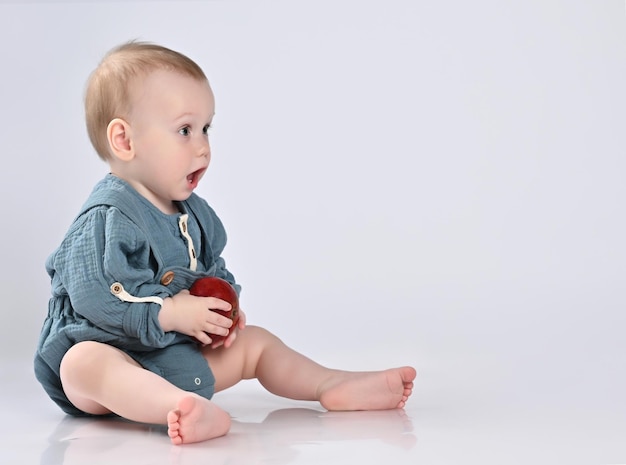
<point x="106" y="247"/>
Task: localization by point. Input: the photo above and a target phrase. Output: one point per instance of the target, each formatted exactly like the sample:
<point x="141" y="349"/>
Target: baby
<point x="123" y="334"/>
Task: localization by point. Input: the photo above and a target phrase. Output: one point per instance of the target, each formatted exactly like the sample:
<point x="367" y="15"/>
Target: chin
<point x="185" y="193"/>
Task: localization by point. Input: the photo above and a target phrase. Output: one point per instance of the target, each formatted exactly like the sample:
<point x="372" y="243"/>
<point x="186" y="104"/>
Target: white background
<point x="403" y="182"/>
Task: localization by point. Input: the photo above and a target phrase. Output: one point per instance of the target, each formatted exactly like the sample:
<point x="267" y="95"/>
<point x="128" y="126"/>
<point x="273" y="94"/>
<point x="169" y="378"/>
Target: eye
<point x="206" y="129"/>
<point x="184" y="131"/>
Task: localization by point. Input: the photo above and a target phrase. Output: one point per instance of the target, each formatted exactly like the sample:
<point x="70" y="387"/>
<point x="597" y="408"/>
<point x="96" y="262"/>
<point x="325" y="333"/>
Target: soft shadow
<point x="274" y="440"/>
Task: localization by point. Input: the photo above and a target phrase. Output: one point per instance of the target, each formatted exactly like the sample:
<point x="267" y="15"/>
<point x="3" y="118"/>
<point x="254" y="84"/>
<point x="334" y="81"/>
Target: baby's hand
<point x="192" y="315"/>
<point x="233" y="332"/>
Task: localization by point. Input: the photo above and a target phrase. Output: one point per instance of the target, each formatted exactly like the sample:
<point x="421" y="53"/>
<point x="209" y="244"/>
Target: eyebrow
<point x="188" y="114"/>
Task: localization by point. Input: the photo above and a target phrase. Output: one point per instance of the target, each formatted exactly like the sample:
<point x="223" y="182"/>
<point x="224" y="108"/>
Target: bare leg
<point x="100" y="379"/>
<point x="258" y="354"/>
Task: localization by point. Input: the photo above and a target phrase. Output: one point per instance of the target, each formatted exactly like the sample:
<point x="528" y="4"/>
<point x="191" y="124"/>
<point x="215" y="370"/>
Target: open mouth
<point x="194" y="177"/>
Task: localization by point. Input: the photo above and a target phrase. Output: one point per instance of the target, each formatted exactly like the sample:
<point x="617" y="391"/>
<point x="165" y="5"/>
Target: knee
<point x="258" y="340"/>
<point x="81" y="353"/>
<point x="258" y="334"/>
<point x="81" y="358"/>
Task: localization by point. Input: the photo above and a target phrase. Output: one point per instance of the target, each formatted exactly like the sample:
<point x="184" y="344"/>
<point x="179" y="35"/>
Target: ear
<point x="118" y="134"/>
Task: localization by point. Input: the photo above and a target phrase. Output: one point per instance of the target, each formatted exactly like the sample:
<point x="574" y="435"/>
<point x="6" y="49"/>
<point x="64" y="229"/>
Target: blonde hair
<point x="107" y="95"/>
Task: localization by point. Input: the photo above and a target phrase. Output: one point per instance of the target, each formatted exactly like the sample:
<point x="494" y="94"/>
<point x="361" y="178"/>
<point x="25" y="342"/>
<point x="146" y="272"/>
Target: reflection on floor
<point x="280" y="438"/>
<point x="479" y="424"/>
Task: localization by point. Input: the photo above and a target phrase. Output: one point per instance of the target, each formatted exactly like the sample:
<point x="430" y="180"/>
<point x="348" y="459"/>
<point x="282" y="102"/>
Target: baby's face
<point x="169" y="120"/>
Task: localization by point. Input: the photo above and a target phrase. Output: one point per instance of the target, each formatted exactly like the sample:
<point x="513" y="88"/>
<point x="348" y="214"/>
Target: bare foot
<point x="196" y="419"/>
<point x="377" y="390"/>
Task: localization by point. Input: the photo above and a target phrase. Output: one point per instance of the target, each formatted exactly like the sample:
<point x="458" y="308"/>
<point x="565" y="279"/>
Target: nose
<point x="204" y="148"/>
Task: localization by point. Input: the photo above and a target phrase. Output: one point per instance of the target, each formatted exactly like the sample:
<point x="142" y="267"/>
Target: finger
<point x="218" y="320"/>
<point x="216" y="330"/>
<point x="203" y="337"/>
<point x="217" y="304"/>
<point x="230" y="339"/>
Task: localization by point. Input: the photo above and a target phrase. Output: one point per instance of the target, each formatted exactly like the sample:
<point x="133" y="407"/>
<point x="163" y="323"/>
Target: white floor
<point x="445" y="423"/>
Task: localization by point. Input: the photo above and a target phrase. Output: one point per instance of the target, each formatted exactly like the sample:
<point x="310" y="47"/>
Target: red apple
<point x="211" y="286"/>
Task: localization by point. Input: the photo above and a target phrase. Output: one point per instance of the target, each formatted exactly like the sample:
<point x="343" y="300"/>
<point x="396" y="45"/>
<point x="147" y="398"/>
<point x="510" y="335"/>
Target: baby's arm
<point x="192" y="315"/>
<point x="105" y="248"/>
